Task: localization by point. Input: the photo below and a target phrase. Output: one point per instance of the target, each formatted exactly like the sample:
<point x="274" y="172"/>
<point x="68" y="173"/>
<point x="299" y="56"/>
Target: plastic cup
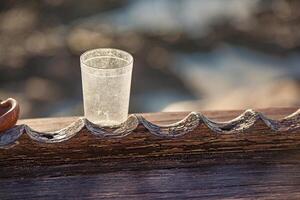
<point x="106" y="81"/>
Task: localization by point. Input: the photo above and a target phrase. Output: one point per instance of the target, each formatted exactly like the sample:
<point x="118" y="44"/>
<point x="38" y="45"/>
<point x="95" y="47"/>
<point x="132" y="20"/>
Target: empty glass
<point x="106" y="81"/>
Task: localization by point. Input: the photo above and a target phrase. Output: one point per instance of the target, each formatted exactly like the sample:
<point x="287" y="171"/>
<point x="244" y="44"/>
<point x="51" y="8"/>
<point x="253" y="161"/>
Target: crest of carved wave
<point x="241" y="123"/>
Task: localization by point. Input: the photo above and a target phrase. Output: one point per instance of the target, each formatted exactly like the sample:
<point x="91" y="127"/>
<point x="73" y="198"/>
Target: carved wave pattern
<point x="241" y="123"/>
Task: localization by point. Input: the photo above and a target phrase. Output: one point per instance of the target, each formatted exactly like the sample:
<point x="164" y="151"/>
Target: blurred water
<point x="239" y="73"/>
<point x="190" y="16"/>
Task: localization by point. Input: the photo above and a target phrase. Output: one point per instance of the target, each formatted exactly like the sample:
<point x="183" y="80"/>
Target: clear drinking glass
<point x="106" y="81"/>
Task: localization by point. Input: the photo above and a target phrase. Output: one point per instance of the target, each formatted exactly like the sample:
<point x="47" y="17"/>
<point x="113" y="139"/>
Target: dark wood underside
<point x="256" y="164"/>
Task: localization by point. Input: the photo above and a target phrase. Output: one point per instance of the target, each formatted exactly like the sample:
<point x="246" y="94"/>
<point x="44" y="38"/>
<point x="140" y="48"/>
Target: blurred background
<point x="189" y="54"/>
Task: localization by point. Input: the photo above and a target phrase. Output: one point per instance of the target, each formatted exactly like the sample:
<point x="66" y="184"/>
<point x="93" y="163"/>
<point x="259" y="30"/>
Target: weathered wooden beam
<point x="86" y="153"/>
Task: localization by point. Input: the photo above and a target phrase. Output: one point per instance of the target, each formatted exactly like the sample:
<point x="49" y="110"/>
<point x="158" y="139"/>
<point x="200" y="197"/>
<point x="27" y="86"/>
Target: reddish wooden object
<point x="9" y="113"/>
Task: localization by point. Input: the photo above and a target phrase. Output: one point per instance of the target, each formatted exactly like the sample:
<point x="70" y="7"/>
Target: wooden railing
<point x="253" y="152"/>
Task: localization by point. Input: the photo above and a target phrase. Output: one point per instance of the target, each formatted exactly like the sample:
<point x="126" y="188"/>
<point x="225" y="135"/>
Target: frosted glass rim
<point x="83" y="58"/>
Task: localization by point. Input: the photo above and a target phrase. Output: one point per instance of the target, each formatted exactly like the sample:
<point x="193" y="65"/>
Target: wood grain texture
<point x="255" y="164"/>
<point x="274" y="176"/>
